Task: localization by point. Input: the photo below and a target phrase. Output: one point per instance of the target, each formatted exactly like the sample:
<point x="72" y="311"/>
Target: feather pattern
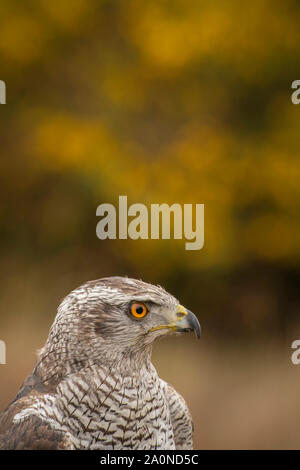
<point x="94" y="386"/>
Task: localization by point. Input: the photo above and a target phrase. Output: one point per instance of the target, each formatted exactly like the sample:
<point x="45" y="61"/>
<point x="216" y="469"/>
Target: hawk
<point x="94" y="386"/>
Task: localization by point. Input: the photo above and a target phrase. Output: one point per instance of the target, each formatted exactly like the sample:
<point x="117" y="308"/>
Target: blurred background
<point x="163" y="101"/>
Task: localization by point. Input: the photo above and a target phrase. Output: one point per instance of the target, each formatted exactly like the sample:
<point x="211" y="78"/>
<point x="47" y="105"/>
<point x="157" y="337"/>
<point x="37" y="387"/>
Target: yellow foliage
<point x="165" y="102"/>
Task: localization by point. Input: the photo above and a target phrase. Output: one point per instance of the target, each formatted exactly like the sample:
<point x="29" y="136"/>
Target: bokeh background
<point x="164" y="101"/>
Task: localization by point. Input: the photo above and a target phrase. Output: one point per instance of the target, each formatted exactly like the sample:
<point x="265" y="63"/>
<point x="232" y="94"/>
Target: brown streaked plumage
<point x="94" y="386"/>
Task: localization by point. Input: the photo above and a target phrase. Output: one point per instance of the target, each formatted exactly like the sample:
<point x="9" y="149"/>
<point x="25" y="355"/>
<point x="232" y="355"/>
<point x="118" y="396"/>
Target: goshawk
<point x="94" y="386"/>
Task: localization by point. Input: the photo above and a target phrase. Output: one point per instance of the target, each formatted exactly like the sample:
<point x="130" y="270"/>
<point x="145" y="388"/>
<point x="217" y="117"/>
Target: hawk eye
<point x="138" y="310"/>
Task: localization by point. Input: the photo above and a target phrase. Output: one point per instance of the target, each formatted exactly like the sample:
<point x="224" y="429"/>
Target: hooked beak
<point x="187" y="321"/>
<point x="183" y="321"/>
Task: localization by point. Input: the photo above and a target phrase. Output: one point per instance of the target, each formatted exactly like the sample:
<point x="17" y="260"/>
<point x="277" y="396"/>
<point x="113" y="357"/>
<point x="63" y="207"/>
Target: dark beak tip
<point x="194" y="323"/>
<point x="198" y="333"/>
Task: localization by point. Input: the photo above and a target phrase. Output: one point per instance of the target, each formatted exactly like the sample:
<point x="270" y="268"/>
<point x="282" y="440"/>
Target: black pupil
<point x="139" y="310"/>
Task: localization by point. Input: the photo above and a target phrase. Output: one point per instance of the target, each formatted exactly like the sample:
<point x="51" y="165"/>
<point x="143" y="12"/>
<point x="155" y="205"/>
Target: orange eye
<point x="138" y="310"/>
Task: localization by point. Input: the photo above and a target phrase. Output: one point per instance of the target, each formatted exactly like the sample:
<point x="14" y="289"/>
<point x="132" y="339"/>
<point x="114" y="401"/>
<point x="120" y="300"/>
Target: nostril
<point x="180" y="314"/>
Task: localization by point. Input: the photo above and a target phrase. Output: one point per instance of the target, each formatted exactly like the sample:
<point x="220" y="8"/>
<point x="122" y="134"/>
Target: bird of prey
<point x="94" y="386"/>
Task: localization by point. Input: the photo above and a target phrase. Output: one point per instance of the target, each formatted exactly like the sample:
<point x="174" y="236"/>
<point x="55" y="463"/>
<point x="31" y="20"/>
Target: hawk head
<point x="114" y="321"/>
